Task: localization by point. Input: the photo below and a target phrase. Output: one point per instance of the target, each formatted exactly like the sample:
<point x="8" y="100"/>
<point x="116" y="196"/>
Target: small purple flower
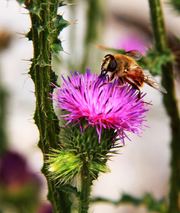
<point x="101" y="104"/>
<point x="45" y="208"/>
<point x="133" y="42"/>
<point x="15" y="173"/>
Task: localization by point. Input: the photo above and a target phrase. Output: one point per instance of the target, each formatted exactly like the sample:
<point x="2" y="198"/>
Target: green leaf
<point x="56" y="47"/>
<point x="147" y="200"/>
<point x="60" y="23"/>
<point x="155" y="60"/>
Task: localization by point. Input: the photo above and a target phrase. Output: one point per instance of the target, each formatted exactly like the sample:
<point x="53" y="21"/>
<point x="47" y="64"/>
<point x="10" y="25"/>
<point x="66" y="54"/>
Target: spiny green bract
<point x="63" y="165"/>
<point x="79" y="148"/>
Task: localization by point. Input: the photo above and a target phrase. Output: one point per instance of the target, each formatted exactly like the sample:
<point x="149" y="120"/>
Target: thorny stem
<point x="42" y="14"/>
<point x="85" y="189"/>
<point x="170" y="103"/>
<point x="3" y="105"/>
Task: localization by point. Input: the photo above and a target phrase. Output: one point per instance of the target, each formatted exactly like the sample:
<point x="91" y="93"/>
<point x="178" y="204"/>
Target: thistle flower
<point x="133" y="42"/>
<point x="101" y="104"/>
<point x="19" y="186"/>
<point x="45" y="208"/>
<point x="14" y="172"/>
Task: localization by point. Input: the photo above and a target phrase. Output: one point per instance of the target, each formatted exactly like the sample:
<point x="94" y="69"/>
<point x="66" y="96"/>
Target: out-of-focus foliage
<point x="5" y="41"/>
<point x="154" y="61"/>
<point x="19" y="186"/>
<point x="175" y="4"/>
<point x="147" y="200"/>
<point x="93" y="33"/>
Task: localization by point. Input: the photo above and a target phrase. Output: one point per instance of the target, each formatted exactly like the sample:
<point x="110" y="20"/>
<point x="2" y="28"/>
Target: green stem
<point x="147" y="200"/>
<point x="3" y="117"/>
<point x="85" y="189"/>
<point x="157" y="20"/>
<point x="93" y="19"/>
<point x="170" y="103"/>
<point x="3" y="113"/>
<point x="42" y="14"/>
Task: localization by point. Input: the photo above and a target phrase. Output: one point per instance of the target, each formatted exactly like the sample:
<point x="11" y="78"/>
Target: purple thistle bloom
<point x="101" y="104"/>
<point x="45" y="208"/>
<point x="14" y="172"/>
<point x="133" y="42"/>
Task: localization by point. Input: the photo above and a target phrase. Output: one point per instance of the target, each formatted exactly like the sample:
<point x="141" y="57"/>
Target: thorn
<point x="73" y="22"/>
<point x="18" y="33"/>
<point x="29" y="60"/>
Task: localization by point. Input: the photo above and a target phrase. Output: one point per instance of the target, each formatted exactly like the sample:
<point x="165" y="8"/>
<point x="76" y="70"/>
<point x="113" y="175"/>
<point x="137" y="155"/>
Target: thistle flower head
<point x="45" y="208"/>
<point x="101" y="104"/>
<point x="133" y="42"/>
<point x="14" y="171"/>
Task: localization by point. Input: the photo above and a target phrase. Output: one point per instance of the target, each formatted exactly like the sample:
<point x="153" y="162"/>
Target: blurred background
<point x="143" y="163"/>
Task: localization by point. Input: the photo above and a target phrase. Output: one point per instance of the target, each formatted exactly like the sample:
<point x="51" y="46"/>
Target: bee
<point x="125" y="68"/>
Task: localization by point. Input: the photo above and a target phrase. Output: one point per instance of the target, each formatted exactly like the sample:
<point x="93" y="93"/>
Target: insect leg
<point x="112" y="76"/>
<point x="134" y="86"/>
<point x="121" y="80"/>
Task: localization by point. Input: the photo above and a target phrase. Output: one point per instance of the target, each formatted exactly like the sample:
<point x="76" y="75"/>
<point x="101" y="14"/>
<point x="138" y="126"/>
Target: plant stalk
<point x="170" y="103"/>
<point x="85" y="189"/>
<point x="93" y="21"/>
<point x="3" y="113"/>
<point x="42" y="14"/>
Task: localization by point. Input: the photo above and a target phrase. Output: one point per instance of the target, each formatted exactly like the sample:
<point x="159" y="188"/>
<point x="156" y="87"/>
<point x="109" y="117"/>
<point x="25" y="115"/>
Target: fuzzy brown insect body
<point x="125" y="68"/>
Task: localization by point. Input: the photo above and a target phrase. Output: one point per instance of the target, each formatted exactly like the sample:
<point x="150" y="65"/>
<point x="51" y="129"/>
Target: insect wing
<point x="148" y="79"/>
<point x="135" y="54"/>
